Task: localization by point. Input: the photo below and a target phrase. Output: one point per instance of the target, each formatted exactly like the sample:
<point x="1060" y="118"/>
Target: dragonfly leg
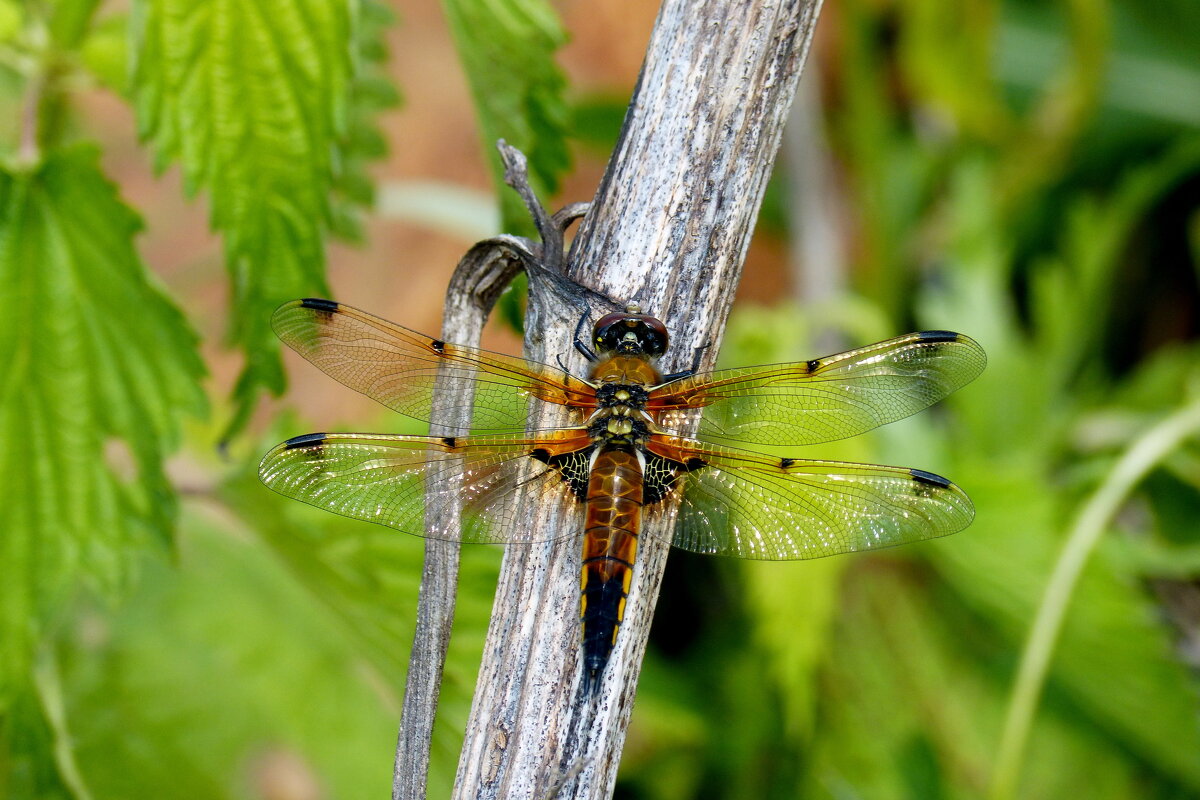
<point x="587" y="352"/>
<point x="697" y="355"/>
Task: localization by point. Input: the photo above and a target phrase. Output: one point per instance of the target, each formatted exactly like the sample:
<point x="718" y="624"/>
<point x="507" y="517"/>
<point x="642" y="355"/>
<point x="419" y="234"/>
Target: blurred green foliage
<point x="507" y="50"/>
<point x="1027" y="173"/>
<point x="1050" y="213"/>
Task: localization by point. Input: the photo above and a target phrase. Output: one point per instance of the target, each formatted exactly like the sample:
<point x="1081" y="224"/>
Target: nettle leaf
<point x="362" y="141"/>
<point x="252" y="99"/>
<point x="99" y="369"/>
<point x="507" y="49"/>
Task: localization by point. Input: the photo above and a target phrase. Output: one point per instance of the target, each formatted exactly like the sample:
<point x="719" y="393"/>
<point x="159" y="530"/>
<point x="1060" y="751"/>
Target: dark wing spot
<point x="318" y="304"/>
<point x="450" y="442"/>
<point x="575" y="468"/>
<point x="785" y="463"/>
<point x="438" y="346"/>
<point x="303" y="441"/>
<point x="661" y="476"/>
<point x="937" y="336"/>
<point x="694" y="464"/>
<point x="930" y="478"/>
<point x="813" y="365"/>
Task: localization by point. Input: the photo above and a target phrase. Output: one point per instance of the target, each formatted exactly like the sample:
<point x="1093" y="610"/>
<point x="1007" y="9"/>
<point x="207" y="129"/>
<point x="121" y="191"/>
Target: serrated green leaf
<point x="253" y="100"/>
<point x="100" y="369"/>
<point x="362" y="141"/>
<point x="507" y="49"/>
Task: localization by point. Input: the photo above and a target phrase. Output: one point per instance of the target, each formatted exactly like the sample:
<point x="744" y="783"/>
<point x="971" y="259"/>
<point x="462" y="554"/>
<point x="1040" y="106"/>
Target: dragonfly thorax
<point x="620" y="417"/>
<point x="616" y="395"/>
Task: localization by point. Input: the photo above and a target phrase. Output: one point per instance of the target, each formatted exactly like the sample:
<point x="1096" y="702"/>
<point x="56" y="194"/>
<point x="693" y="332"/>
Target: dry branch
<point x="669" y="229"/>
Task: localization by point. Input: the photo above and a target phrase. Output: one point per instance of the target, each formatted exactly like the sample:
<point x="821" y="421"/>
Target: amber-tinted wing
<point x="412" y="373"/>
<point x="393" y="480"/>
<point x="748" y="505"/>
<point x="828" y="398"/>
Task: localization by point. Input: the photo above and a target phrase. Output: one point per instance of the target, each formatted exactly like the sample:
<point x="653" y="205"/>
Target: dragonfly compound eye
<point x="631" y="334"/>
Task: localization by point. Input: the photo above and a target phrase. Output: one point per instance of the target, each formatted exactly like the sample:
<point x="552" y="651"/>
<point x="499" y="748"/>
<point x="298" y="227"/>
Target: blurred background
<point x="1027" y="173"/>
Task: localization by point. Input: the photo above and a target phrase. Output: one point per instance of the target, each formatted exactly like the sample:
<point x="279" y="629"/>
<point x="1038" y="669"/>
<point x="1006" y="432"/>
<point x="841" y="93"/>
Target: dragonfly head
<point x="629" y="333"/>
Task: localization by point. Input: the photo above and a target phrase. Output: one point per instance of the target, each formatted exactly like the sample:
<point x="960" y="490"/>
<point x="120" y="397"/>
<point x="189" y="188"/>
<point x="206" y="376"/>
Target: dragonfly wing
<point x="749" y="505"/>
<point x="416" y="374"/>
<point x="827" y="398"/>
<point x="415" y="483"/>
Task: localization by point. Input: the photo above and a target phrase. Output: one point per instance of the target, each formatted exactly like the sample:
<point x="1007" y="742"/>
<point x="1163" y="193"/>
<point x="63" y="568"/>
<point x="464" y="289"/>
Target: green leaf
<point x="507" y="49"/>
<point x="100" y="369"/>
<point x="911" y="702"/>
<point x="252" y="99"/>
<point x="1114" y="660"/>
<point x="27" y="742"/>
<point x="792" y="607"/>
<point x="69" y="21"/>
<point x="220" y="669"/>
<point x="935" y="35"/>
<point x="105" y="52"/>
<point x="362" y="141"/>
<point x="297" y="624"/>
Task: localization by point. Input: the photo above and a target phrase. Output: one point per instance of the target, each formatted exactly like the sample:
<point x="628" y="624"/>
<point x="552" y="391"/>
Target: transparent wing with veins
<point x="395" y="480"/>
<point x="824" y="399"/>
<point x="750" y="505"/>
<point x="400" y="368"/>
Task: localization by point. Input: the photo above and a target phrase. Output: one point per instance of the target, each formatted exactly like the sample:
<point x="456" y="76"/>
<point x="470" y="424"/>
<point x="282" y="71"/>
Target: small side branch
<point x="478" y="281"/>
<point x="481" y="277"/>
<point x="516" y="175"/>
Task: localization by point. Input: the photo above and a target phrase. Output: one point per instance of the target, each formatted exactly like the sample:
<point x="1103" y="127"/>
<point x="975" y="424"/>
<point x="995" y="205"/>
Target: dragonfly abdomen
<point x="614" y="507"/>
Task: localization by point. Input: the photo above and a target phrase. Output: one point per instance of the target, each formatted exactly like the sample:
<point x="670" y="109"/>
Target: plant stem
<point x="1093" y="519"/>
<point x="48" y="684"/>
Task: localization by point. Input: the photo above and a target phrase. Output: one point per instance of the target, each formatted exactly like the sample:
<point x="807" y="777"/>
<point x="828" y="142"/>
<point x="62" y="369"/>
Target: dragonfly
<point x="622" y="456"/>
